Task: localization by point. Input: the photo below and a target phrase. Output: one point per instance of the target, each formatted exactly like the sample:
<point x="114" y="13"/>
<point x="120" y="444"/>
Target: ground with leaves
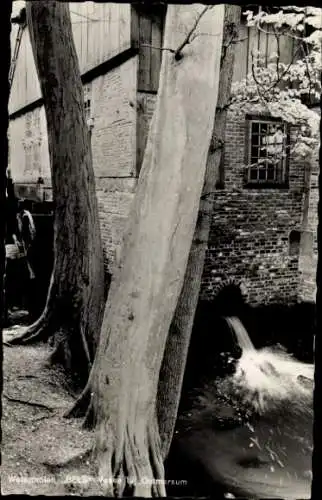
<point x="43" y="453"/>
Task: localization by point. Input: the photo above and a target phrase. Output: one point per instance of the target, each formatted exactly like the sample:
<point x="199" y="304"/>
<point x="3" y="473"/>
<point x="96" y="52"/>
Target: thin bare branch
<point x="283" y="73"/>
<point x="285" y="33"/>
<point x="157" y="48"/>
<point x="188" y="38"/>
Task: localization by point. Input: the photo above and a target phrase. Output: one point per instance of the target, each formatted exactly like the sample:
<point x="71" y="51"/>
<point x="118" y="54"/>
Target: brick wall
<point x="308" y="249"/>
<point x="114" y="113"/>
<point x="113" y="148"/>
<point x="250" y="234"/>
<point x="114" y="152"/>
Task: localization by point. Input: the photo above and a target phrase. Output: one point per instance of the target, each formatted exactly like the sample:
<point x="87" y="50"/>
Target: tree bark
<point x="176" y="351"/>
<point x="4" y="121"/>
<point x="316" y="491"/>
<point x="75" y="302"/>
<point x="155" y="252"/>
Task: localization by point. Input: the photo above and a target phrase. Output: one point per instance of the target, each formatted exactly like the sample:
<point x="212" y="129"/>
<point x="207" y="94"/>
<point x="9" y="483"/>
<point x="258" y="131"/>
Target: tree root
<point x="42" y="417"/>
<point x="80" y="406"/>
<point x="30" y="403"/>
<point x="90" y="417"/>
<point x="73" y="461"/>
<point x="136" y="470"/>
<point x="38" y="331"/>
<point x="84" y="406"/>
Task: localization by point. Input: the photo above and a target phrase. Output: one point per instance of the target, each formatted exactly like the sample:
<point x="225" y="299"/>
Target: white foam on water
<point x="269" y="375"/>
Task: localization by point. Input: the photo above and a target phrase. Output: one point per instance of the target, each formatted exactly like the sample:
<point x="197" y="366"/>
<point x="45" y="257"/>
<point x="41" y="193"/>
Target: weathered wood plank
<point x="124" y="26"/>
<point x="271" y="45"/>
<point x="104" y="28"/>
<point x="156" y="53"/>
<point x="240" y="65"/>
<point x="114" y="29"/>
<point x="84" y="24"/>
<point x="263" y="44"/>
<point x="145" y="42"/>
<point x="33" y="90"/>
<point x="135" y="27"/>
<point x="286" y="49"/>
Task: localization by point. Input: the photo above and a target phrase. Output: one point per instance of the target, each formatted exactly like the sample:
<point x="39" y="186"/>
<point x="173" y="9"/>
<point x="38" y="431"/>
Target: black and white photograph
<point x="161" y="269"/>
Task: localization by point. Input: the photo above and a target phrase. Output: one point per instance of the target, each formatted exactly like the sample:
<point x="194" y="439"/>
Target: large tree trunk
<point x="316" y="491"/>
<point x="75" y="302"/>
<point x="176" y="351"/>
<point x="155" y="252"/>
<point x="6" y="55"/>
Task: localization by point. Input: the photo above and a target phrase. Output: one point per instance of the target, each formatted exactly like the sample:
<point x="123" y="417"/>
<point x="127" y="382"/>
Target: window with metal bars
<point x="267" y="145"/>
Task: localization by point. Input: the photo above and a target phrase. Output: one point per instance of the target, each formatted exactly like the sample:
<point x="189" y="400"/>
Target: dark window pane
<point x="254" y="152"/>
<point x="262" y="174"/>
<point x="253" y="174"/>
<point x="255" y="140"/>
<point x="255" y="128"/>
<point x="270" y="173"/>
<point x="263" y="128"/>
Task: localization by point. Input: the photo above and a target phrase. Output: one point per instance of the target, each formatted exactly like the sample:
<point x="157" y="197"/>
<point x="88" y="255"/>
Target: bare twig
<point x="157" y="48"/>
<point x="285" y="33"/>
<point x="282" y="74"/>
<point x="178" y="53"/>
<point x="30" y="403"/>
<point x="231" y="42"/>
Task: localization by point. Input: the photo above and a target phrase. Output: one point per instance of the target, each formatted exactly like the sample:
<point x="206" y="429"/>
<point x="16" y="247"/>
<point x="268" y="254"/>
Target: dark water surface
<point x="251" y="432"/>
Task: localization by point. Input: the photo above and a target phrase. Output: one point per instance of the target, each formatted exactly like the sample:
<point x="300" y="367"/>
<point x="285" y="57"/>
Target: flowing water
<point x="241" y="333"/>
<point x="253" y="430"/>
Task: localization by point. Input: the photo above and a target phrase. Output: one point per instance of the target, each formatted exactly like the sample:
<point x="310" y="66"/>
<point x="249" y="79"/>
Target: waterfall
<point x="252" y="429"/>
<point x="270" y="375"/>
<point x="241" y="333"/>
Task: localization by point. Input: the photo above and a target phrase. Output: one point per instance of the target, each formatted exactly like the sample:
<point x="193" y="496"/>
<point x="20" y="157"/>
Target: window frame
<point x="282" y="183"/>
